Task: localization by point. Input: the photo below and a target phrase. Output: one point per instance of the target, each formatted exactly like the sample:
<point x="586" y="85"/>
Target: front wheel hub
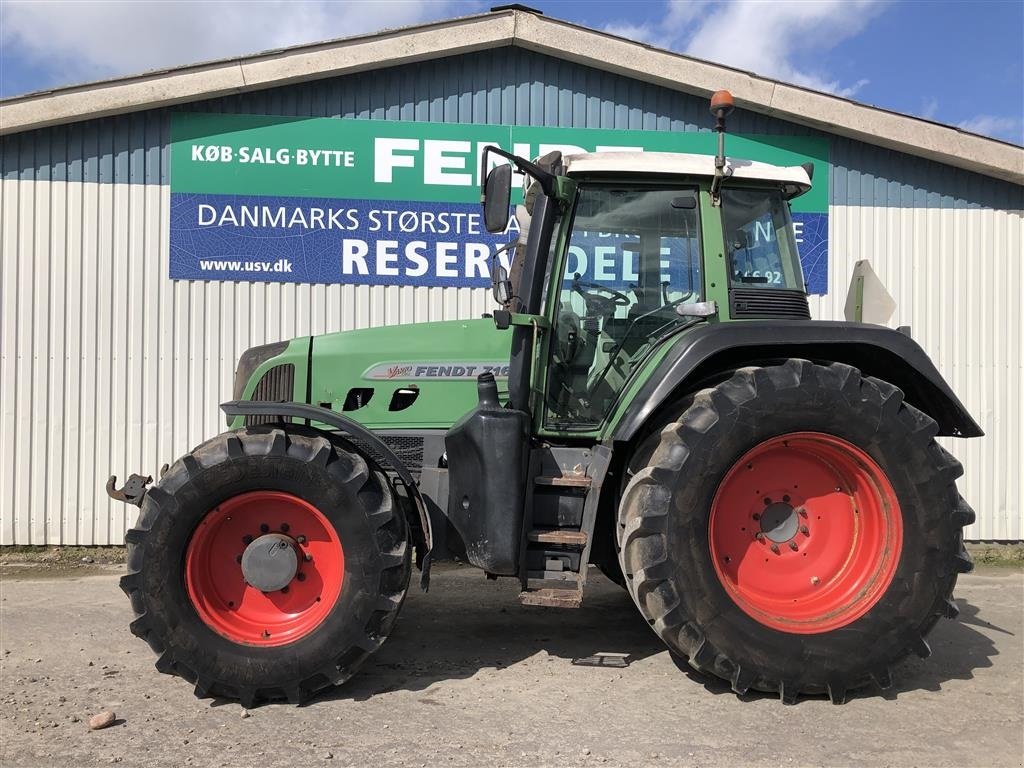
<point x="269" y="563"/>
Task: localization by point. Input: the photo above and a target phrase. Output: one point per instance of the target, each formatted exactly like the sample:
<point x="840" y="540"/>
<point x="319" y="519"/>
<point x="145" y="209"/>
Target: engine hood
<point x="419" y="376"/>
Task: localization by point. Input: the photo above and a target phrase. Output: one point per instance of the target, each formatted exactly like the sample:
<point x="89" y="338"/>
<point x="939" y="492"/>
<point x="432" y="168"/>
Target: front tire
<point x="796" y="530"/>
<point x="303" y="518"/>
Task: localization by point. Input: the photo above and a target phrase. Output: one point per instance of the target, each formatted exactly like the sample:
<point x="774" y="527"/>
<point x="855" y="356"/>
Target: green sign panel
<point x="313" y="199"/>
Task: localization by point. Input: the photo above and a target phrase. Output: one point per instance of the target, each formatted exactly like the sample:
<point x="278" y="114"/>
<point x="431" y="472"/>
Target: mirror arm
<point x="545" y="179"/>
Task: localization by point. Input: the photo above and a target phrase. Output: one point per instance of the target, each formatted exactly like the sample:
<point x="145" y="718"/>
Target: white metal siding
<point x="110" y="367"/>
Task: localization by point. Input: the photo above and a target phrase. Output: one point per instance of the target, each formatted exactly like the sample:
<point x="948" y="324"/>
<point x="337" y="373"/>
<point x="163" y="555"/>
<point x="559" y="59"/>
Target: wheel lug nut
<point x="801" y="511"/>
<point x="805" y="530"/>
<point x="285" y="527"/>
<point x="264" y="528"/>
<point x="238" y="558"/>
<point x="759" y="536"/>
<point x="308" y="557"/>
<point x="767" y="500"/>
<point x="757" y="516"/>
<point x="284" y="590"/>
<point x="815" y="580"/>
<point x="247" y="539"/>
<point x="793" y="546"/>
<point x="775" y="548"/>
<point x="300" y="576"/>
<point x="785" y="498"/>
<point x="300" y="539"/>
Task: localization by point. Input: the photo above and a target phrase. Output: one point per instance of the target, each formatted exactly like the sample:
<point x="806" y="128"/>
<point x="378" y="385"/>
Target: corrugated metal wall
<point x="108" y="366"/>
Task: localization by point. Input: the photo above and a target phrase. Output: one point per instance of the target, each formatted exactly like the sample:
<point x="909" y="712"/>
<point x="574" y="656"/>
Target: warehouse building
<point x="154" y="227"/>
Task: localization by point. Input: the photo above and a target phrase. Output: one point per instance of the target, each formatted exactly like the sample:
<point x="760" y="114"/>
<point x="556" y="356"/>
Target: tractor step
<point x="564" y="481"/>
<point x="552" y="598"/>
<point x="568" y="538"/>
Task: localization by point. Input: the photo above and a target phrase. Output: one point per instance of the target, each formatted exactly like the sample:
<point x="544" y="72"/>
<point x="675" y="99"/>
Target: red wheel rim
<point x="230" y="606"/>
<point x="805" y="533"/>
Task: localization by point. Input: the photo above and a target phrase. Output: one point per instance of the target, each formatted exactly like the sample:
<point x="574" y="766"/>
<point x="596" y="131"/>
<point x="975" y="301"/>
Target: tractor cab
<point x="629" y="250"/>
<point x="635" y="267"/>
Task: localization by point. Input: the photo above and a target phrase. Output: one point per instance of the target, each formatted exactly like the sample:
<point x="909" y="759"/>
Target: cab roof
<point x="794" y="179"/>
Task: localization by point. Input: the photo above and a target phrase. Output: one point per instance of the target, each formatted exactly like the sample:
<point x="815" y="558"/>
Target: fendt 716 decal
<point x="435" y="370"/>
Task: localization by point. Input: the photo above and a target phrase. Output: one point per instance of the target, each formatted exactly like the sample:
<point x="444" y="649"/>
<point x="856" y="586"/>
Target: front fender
<point x="876" y="350"/>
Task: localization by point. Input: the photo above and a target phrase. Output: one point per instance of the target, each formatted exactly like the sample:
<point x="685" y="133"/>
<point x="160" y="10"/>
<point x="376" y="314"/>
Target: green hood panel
<point x="440" y="361"/>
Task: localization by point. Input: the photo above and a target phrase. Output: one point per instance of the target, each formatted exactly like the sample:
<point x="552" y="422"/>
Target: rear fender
<point x="707" y="351"/>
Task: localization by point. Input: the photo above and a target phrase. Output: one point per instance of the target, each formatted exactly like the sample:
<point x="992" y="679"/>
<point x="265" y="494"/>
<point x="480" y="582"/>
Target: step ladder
<point x="560" y="514"/>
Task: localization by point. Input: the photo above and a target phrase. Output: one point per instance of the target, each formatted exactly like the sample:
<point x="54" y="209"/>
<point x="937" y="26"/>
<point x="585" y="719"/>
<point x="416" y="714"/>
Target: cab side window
<point x="758" y="239"/>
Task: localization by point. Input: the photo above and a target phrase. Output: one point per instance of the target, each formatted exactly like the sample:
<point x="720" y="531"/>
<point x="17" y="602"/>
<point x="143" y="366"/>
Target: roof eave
<point x="210" y="80"/>
<point x="552" y="37"/>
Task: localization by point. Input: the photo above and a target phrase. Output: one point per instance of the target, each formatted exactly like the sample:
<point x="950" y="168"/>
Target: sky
<point x="955" y="62"/>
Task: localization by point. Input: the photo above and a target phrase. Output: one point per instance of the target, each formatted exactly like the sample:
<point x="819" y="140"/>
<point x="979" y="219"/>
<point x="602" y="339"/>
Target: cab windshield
<point x="633" y="255"/>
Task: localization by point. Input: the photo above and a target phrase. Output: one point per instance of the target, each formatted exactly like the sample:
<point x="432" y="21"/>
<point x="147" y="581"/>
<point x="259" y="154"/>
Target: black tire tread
<point x="643" y="517"/>
<point x="393" y="554"/>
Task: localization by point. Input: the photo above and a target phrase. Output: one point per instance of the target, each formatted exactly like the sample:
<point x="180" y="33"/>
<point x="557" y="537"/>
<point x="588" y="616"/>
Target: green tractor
<point x="767" y="487"/>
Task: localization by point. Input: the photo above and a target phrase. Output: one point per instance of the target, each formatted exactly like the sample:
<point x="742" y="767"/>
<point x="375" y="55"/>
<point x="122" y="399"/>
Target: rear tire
<point x="740" y="605"/>
<point x="191" y="600"/>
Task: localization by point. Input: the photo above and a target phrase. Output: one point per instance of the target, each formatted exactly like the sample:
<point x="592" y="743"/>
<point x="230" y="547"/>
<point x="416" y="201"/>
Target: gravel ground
<point x="470" y="678"/>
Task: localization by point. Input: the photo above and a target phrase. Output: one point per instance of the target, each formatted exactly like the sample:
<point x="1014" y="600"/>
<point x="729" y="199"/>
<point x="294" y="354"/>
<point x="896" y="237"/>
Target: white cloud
<point x="929" y="108"/>
<point x="1008" y="128"/>
<point x="84" y="40"/>
<point x="762" y="37"/>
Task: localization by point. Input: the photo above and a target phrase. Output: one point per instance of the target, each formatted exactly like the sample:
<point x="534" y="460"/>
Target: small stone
<point x="586" y="751"/>
<point x="327" y="755"/>
<point x="61" y="699"/>
<point x="88" y="560"/>
<point x="245" y="714"/>
<point x="91" y="664"/>
<point x="102" y="720"/>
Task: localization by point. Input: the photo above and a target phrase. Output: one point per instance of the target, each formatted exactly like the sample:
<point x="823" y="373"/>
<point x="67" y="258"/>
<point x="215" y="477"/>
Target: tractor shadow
<point x="467" y="624"/>
<point x="958" y="649"/>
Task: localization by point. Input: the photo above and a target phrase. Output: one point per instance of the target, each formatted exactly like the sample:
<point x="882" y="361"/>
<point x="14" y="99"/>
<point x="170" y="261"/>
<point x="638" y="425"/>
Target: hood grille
<point x="276" y="386"/>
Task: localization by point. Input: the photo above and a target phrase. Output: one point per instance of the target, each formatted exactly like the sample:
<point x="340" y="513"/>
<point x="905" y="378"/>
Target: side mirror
<point x="501" y="286"/>
<point x="496" y="198"/>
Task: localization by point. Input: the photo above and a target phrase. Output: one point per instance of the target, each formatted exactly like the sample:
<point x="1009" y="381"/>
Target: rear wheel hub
<point x="779" y="522"/>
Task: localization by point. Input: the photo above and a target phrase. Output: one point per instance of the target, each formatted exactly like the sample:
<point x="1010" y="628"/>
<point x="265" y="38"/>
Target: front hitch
<point x="132" y="492"/>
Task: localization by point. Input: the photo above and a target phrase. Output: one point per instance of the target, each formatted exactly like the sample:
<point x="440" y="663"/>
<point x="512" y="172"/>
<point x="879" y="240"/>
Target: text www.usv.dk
<point x="281" y="265"/>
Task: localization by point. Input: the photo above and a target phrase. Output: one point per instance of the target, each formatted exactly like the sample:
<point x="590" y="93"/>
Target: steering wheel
<point x="603" y="304"/>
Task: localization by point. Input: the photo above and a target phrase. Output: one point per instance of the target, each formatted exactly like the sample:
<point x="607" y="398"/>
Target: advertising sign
<point x="374" y="202"/>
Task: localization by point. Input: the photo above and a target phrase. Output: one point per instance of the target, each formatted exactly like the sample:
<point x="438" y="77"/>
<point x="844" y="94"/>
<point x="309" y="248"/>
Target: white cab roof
<point x="794" y="178"/>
